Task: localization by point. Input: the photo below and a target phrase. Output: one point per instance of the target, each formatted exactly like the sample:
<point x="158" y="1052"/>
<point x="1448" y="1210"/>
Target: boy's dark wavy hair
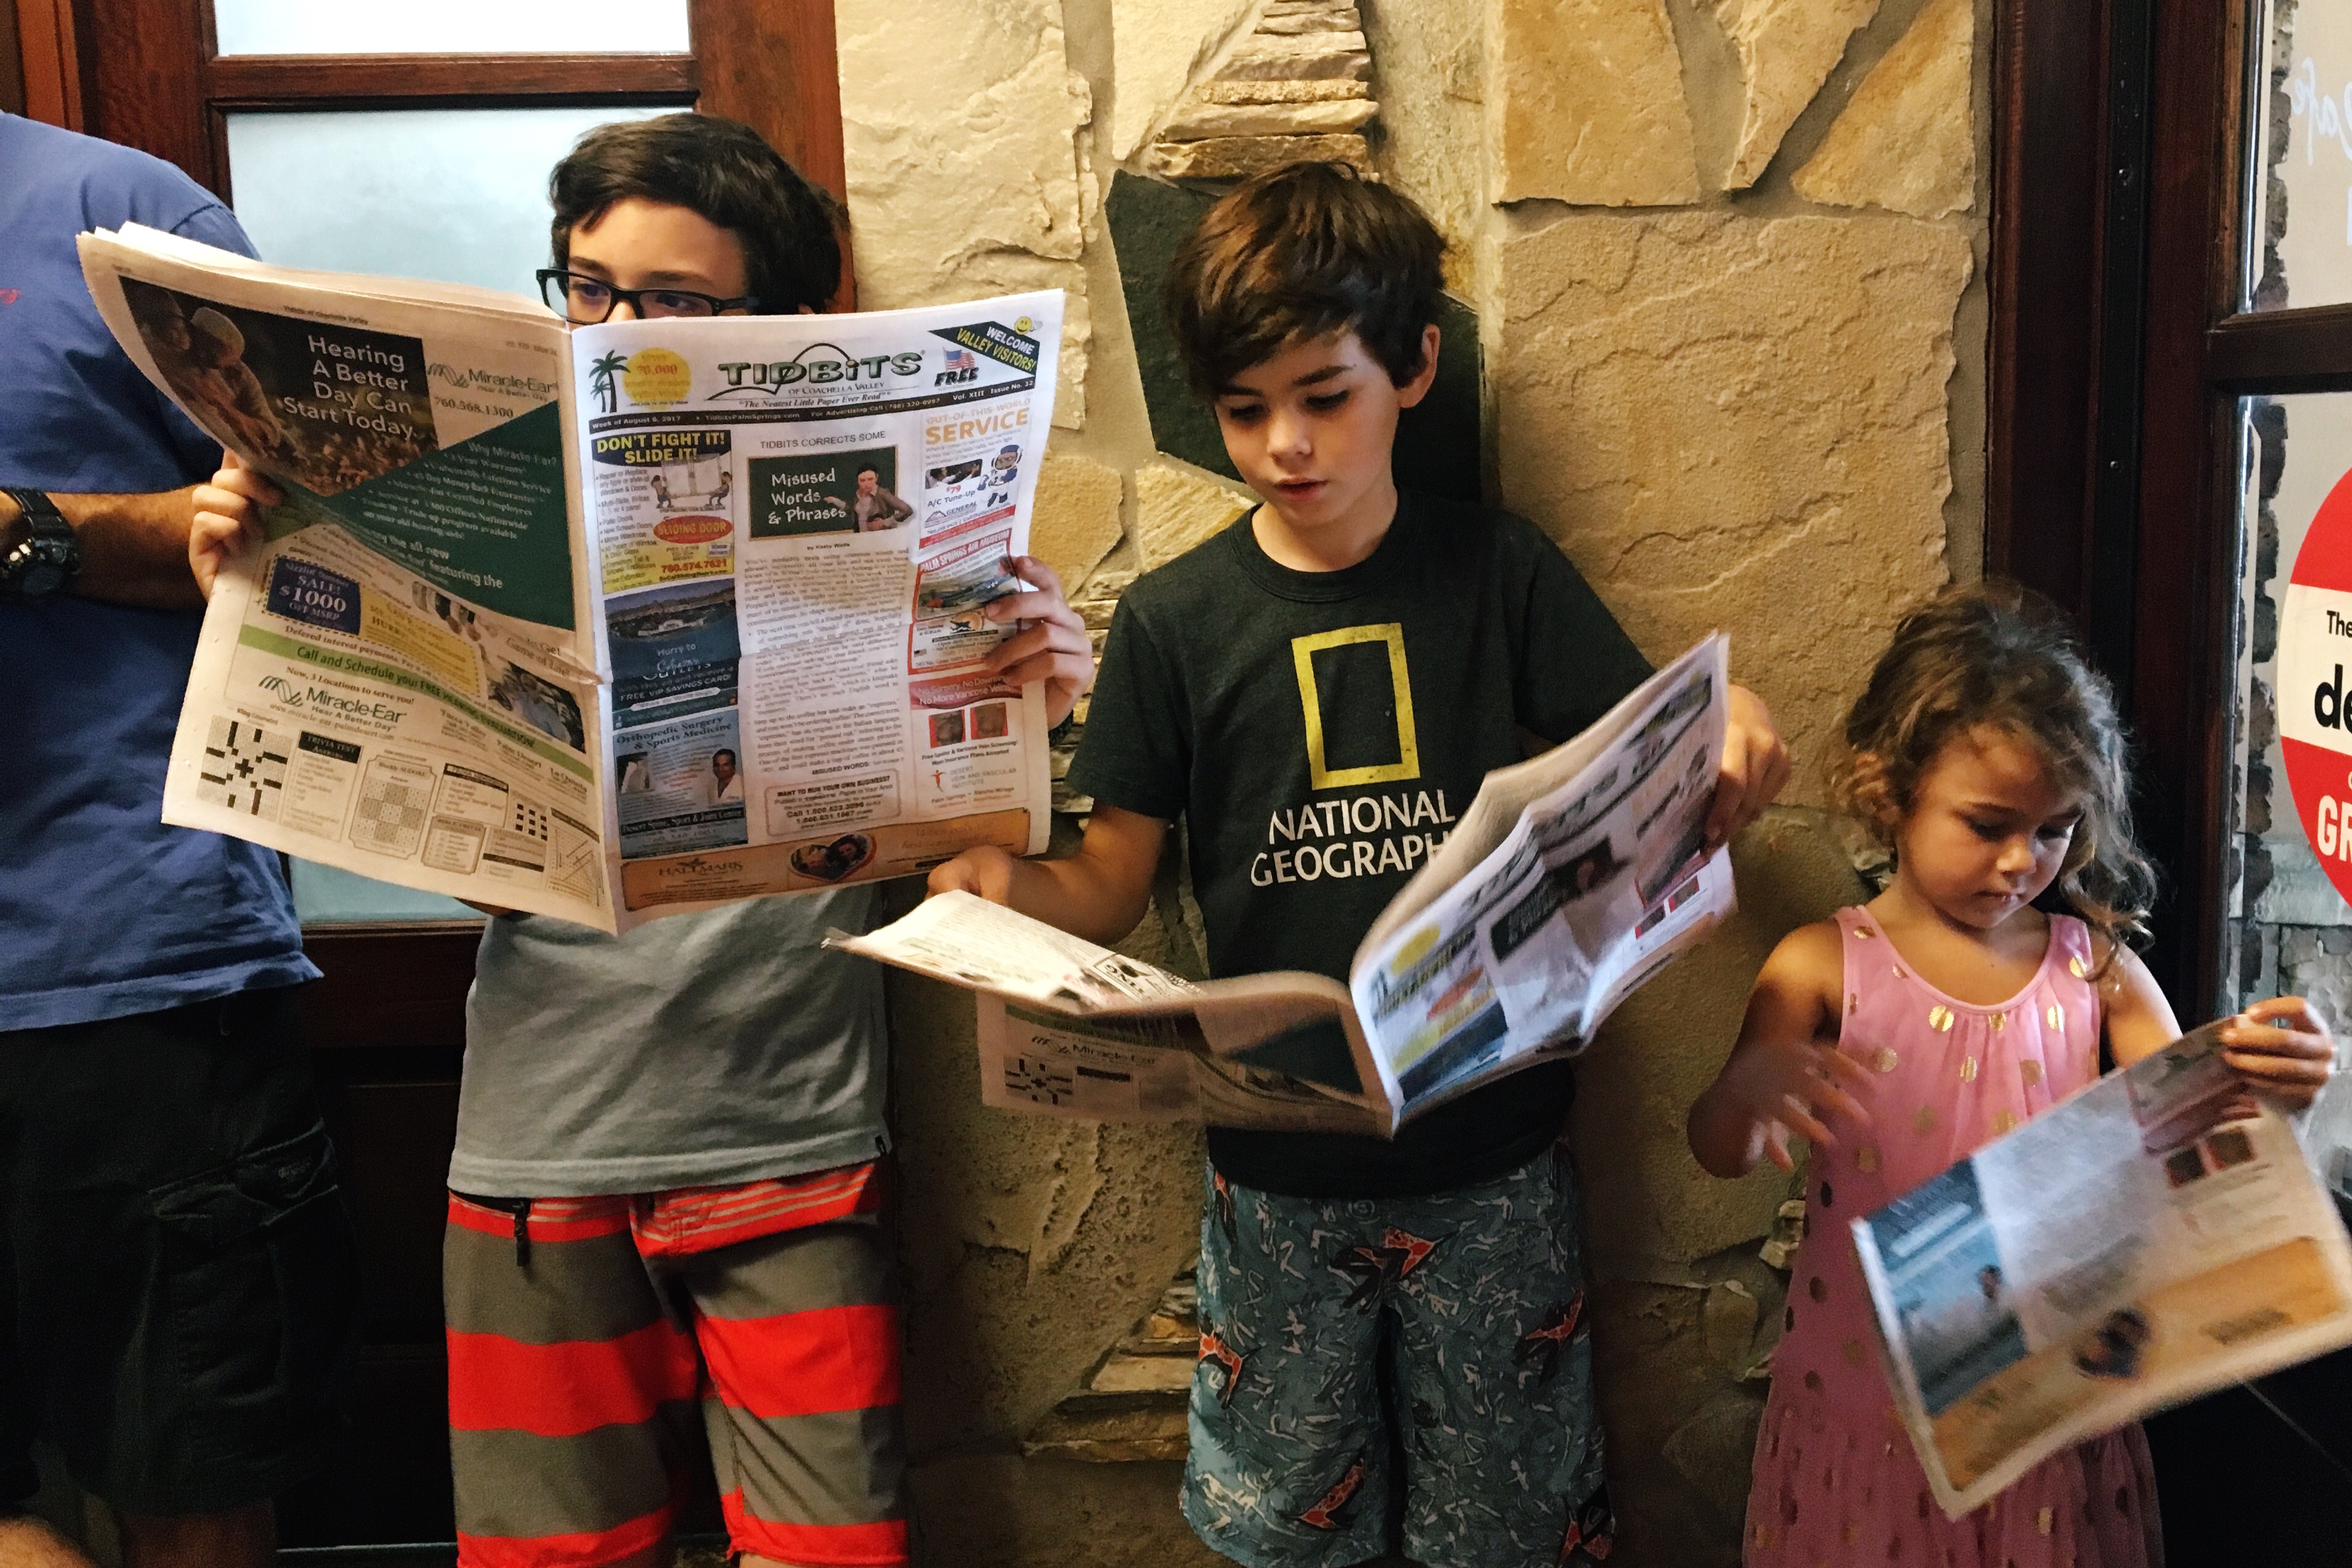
<point x="1297" y="253"/>
<point x="1994" y="655"/>
<point x="724" y="170"/>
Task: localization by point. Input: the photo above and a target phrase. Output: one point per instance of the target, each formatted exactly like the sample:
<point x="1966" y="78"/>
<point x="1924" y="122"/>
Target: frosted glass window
<point x="451" y="27"/>
<point x="459" y="195"/>
<point x="325" y="896"/>
<point x="2299" y="245"/>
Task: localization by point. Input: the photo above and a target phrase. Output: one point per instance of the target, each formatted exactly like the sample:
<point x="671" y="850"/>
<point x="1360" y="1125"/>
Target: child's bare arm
<point x="2138" y="1021"/>
<point x="1785" y="1074"/>
<point x="227" y="518"/>
<point x="1098" y="894"/>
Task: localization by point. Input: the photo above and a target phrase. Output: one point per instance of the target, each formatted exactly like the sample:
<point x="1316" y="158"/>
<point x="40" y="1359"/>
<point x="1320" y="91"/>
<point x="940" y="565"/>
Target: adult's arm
<point x="134" y="549"/>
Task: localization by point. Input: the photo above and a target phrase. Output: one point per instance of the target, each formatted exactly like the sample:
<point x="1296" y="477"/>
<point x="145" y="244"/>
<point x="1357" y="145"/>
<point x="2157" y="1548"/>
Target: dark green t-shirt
<point x="1321" y="732"/>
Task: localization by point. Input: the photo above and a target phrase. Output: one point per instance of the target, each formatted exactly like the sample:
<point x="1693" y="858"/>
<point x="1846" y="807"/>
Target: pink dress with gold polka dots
<point x="1835" y="1479"/>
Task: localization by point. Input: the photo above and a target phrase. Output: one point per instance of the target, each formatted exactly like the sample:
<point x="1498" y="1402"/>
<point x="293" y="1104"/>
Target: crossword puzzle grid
<point x="1039" y="1080"/>
<point x="243" y="768"/>
<point x="390" y="814"/>
<point x="529" y="819"/>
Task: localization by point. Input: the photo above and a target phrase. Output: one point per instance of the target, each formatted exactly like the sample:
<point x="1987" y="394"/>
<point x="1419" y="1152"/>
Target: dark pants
<point x="178" y="1271"/>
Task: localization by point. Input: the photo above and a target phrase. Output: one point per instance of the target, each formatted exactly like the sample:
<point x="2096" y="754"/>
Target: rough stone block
<point x="1110" y="1437"/>
<point x="1584" y="104"/>
<point x="959" y="195"/>
<point x="1648" y="1206"/>
<point x="997" y="1511"/>
<point x="1437" y="446"/>
<point x="1433" y="83"/>
<point x="1906" y="140"/>
<point x="1738" y="422"/>
<point x="1143" y="1374"/>
<point x="1076" y="521"/>
<point x="1307" y="56"/>
<point x="1338" y="19"/>
<point x="1239" y="157"/>
<point x="1787" y="50"/>
<point x="2299" y="892"/>
<point x="1031" y="1246"/>
<point x="1177" y="507"/>
<point x="1281" y="91"/>
<point x="1159" y="48"/>
<point x="1148" y="218"/>
<point x="1198" y="121"/>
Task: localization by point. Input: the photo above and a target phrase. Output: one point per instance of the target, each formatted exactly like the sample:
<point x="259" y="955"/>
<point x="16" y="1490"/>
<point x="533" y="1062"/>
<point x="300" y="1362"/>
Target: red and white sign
<point x="2315" y="684"/>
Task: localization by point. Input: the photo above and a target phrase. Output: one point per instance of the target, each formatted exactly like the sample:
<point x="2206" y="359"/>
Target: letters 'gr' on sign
<point x="2315" y="693"/>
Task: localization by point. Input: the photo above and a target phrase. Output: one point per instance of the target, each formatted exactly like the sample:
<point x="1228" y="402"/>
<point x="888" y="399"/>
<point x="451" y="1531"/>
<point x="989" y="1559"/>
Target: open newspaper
<point x="1571" y="879"/>
<point x="2121" y="1252"/>
<point x="602" y="622"/>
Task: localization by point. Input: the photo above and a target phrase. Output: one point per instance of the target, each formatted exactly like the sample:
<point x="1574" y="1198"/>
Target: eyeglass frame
<point x="636" y="298"/>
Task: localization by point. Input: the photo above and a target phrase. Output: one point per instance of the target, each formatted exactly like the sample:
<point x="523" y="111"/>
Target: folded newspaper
<point x="2122" y="1252"/>
<point x="1570" y="881"/>
<point x="602" y="622"/>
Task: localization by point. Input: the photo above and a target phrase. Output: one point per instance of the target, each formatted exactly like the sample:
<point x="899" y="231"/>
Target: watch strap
<point x="42" y="518"/>
<point x="49" y="555"/>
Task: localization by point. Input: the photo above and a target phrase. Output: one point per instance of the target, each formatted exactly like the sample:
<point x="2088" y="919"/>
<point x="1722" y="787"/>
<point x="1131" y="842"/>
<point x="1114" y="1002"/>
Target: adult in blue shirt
<point x="177" y="1269"/>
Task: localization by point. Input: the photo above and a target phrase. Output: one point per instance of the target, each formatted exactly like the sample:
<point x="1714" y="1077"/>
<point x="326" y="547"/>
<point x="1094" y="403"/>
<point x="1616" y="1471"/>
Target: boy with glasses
<point x="664" y="1193"/>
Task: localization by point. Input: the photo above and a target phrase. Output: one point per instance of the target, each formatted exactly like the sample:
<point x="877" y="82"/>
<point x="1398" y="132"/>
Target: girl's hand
<point x="1789" y="1085"/>
<point x="228" y="519"/>
<point x="2283" y="1050"/>
<point x="1053" y="648"/>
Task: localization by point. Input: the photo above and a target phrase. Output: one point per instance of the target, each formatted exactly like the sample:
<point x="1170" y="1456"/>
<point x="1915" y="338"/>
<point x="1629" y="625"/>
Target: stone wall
<point x="1720" y="261"/>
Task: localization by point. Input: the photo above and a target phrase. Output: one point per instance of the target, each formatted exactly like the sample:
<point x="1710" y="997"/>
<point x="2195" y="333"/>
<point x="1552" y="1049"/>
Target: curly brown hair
<point x="1995" y="655"/>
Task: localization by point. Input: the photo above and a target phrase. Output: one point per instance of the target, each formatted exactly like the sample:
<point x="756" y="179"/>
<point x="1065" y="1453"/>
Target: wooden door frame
<point x="158" y="84"/>
<point x="2117" y="124"/>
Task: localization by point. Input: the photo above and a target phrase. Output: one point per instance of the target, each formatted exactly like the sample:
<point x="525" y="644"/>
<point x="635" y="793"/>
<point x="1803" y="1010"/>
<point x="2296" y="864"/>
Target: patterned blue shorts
<point x="1475" y="1300"/>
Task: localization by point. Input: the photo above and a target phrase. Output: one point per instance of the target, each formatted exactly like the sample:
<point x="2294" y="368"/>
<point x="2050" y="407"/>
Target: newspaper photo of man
<point x="725" y="783"/>
<point x="875" y="507"/>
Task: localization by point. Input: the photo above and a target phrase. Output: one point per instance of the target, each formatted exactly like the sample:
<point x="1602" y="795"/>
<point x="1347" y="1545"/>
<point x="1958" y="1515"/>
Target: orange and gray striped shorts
<point x="588" y="1335"/>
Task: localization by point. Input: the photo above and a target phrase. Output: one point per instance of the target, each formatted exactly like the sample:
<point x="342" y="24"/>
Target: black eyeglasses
<point x="586" y="301"/>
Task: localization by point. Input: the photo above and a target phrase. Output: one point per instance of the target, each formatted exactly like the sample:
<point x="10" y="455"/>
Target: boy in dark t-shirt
<point x="1318" y="691"/>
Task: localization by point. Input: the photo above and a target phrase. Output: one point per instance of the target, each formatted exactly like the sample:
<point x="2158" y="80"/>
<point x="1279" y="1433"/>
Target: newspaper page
<point x="1572" y="880"/>
<point x="401" y="684"/>
<point x="1158" y="1069"/>
<point x="1122" y="1039"/>
<point x="2121" y="1252"/>
<point x="799" y="522"/>
<point x="1586" y="872"/>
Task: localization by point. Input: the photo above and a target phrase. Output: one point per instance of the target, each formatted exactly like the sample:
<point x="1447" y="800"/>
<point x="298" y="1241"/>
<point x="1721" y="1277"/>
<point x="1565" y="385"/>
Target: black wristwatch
<point x="49" y="555"/>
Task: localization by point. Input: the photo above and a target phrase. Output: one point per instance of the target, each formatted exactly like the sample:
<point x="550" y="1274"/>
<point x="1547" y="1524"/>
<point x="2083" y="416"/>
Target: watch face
<point x="41" y="579"/>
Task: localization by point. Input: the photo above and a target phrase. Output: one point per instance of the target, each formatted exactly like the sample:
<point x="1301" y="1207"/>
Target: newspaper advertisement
<point x="2124" y="1252"/>
<point x="601" y="624"/>
<point x="1571" y="879"/>
<point x="800" y="521"/>
<point x="401" y="683"/>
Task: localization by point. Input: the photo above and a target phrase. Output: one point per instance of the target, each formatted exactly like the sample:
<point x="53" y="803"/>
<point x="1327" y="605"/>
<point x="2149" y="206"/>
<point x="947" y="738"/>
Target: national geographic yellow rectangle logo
<point x="1408" y="763"/>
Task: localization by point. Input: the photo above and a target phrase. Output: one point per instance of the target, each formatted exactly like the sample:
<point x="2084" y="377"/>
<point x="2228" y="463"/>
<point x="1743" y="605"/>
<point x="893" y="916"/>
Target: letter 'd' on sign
<point x="2314" y="710"/>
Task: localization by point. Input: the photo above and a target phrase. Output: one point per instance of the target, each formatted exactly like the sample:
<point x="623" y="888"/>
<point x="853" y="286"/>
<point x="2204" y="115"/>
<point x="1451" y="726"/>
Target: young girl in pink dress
<point x="1902" y="1035"/>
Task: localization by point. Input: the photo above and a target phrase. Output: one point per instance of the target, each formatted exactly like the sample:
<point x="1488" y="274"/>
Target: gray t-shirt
<point x="700" y="1050"/>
